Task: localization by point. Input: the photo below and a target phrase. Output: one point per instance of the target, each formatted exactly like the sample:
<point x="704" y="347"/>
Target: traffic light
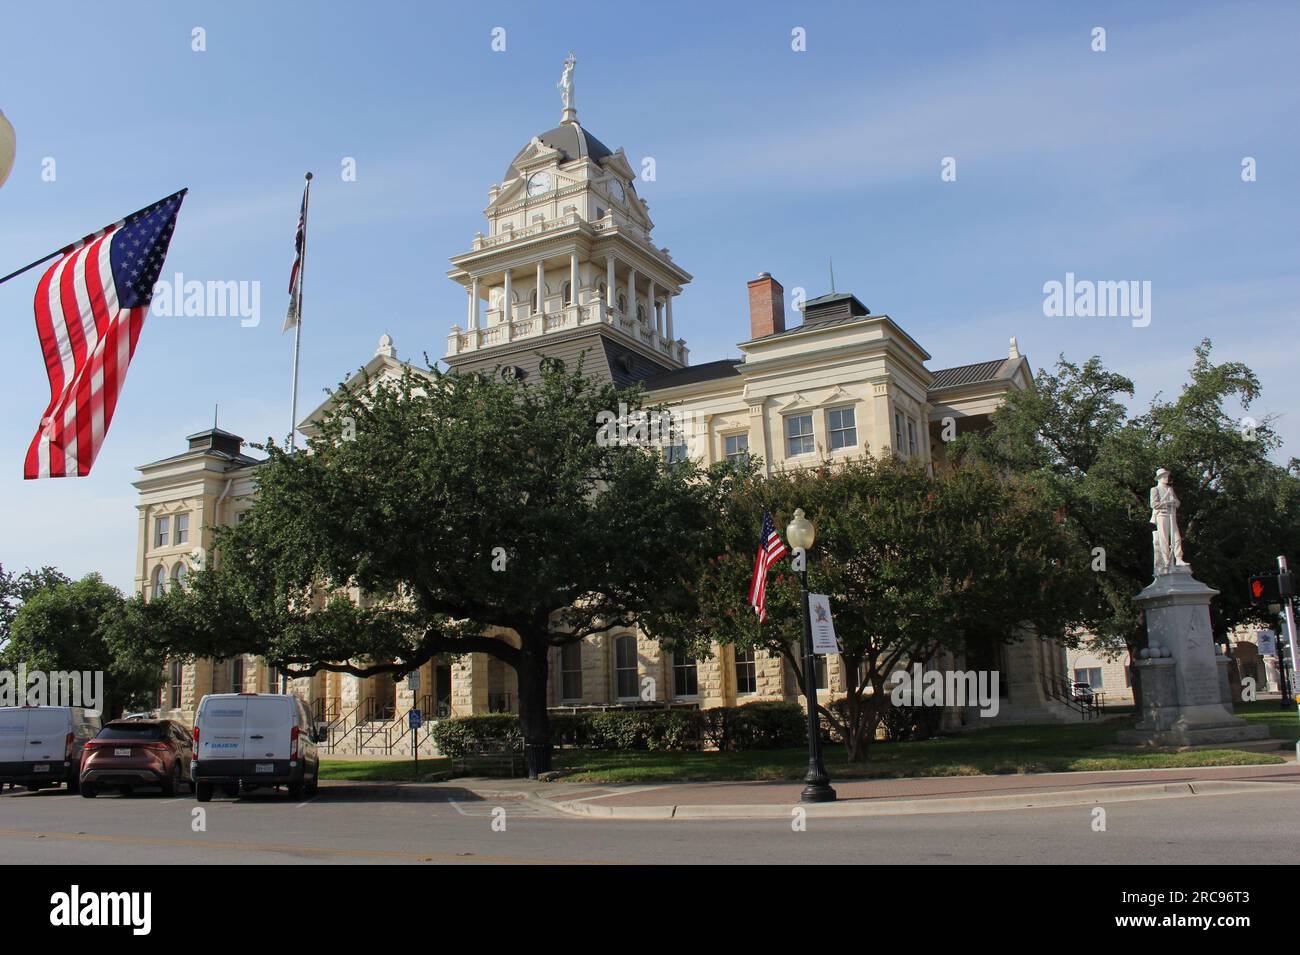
<point x="1264" y="589"/>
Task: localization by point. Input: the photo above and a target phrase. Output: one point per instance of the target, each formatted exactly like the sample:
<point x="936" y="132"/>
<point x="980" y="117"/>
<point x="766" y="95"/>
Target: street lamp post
<point x="801" y="534"/>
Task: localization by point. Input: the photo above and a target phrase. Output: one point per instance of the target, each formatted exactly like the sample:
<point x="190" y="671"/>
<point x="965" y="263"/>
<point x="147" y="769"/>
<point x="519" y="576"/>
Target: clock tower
<point x="567" y="266"/>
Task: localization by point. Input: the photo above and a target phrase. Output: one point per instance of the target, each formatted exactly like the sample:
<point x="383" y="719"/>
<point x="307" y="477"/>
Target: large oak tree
<point x="458" y="507"/>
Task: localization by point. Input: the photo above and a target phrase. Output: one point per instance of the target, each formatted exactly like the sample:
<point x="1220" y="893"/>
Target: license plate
<point x="264" y="768"/>
<point x="41" y="768"/>
<point x="122" y="751"/>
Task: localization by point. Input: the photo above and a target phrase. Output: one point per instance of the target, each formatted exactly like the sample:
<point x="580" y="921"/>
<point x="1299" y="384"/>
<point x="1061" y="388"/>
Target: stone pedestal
<point x="1185" y="697"/>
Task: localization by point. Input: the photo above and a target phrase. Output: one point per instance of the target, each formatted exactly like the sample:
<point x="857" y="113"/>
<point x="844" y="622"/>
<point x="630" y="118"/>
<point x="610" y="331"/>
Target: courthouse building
<point x="567" y="266"/>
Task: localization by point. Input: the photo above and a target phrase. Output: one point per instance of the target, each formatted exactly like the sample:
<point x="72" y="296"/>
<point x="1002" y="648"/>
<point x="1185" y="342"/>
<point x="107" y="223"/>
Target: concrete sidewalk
<point x="889" y="797"/>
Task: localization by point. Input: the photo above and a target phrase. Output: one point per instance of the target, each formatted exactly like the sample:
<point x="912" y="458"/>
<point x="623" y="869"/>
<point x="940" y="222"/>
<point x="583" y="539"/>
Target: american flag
<point x="90" y="307"/>
<point x="770" y="549"/>
<point x="295" y="287"/>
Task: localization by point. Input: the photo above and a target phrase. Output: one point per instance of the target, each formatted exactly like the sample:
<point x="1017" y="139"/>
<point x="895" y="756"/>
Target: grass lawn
<point x="1075" y="747"/>
<point x="381" y="770"/>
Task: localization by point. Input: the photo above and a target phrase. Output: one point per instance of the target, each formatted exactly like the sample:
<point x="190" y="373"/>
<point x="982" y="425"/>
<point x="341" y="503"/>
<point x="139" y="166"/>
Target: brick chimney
<point x="766" y="306"/>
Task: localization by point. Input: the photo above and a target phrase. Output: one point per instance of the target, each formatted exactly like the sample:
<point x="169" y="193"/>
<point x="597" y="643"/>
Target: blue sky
<point x="1114" y="166"/>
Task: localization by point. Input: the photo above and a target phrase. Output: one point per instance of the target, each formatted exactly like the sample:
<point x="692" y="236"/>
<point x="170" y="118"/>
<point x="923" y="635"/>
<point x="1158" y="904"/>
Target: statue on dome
<point x="565" y="86"/>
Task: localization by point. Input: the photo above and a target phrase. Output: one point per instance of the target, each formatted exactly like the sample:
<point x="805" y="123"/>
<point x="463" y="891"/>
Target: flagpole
<point x="297" y="327"/>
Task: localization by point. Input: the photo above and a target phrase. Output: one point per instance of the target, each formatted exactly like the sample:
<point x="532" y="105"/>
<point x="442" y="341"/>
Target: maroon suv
<point x="130" y="753"/>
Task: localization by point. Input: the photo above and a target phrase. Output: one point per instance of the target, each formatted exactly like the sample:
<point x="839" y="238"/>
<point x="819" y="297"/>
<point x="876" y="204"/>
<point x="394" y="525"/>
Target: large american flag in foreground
<point x="770" y="549"/>
<point x="90" y="307"/>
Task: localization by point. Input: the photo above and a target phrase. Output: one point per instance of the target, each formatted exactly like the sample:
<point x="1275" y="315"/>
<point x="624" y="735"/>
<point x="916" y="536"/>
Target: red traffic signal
<point x="1264" y="589"/>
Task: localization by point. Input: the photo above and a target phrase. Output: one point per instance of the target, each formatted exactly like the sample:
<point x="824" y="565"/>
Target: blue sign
<point x="417" y="720"/>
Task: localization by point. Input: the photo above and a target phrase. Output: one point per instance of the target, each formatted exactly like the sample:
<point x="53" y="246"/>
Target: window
<point x="622" y="303"/>
<point x="534" y="301"/>
<point x="603" y="291"/>
<point x="567" y="292"/>
<point x="179" y="573"/>
<point x="571" y="671"/>
<point x="676" y="453"/>
<point x="160" y="528"/>
<point x="177" y="671"/>
<point x="272" y="679"/>
<point x="898" y="432"/>
<point x="640" y="312"/>
<point x="182" y="529"/>
<point x="237" y="675"/>
<point x="736" y="445"/>
<point x="746" y="678"/>
<point x="798" y="435"/>
<point x="686" y="677"/>
<point x="159" y="581"/>
<point x="842" y="425"/>
<point x="1088" y="675"/>
<point x="911" y="437"/>
<point x="625" y="667"/>
<point x="239" y="518"/>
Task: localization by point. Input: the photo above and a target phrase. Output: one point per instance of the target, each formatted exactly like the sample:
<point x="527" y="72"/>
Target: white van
<point x="41" y="746"/>
<point x="251" y="740"/>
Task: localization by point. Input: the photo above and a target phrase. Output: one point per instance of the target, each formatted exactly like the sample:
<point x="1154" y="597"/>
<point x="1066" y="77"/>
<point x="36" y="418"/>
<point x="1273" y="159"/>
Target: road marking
<point x="289" y="848"/>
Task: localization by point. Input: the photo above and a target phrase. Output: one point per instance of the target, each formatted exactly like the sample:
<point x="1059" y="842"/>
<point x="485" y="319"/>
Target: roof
<point x="571" y="140"/>
<point x="833" y="306"/>
<point x="973" y="374"/>
<point x="693" y="374"/>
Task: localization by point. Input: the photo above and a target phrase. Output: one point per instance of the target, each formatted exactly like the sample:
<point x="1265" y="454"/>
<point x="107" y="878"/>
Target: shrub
<point x="761" y="725"/>
<point x="457" y="736"/>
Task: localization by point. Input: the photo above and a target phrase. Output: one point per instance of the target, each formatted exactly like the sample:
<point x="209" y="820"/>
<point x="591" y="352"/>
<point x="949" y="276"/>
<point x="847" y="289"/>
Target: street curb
<point x="909" y="807"/>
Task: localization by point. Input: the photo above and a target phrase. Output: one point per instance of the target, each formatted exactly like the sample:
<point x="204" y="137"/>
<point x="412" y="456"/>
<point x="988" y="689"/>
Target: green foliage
<point x="460" y="736"/>
<point x="380" y="546"/>
<point x="761" y="725"/>
<point x="914" y="564"/>
<point x="1073" y="436"/>
<point x="68" y="625"/>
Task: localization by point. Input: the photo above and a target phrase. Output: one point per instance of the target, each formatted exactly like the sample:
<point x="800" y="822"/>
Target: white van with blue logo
<point x="247" y="741"/>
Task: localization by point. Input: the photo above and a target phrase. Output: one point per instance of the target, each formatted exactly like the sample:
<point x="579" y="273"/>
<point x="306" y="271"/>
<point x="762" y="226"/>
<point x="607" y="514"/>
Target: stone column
<point x="631" y="293"/>
<point x="473" y="304"/>
<point x="650" y="306"/>
<point x="609" y="283"/>
<point x="668" y="310"/>
<point x="541" y="289"/>
<point x="573" y="275"/>
<point x="508" y="312"/>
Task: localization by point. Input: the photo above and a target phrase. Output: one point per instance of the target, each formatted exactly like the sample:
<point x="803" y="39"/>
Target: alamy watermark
<point x="84" y="688"/>
<point x="182" y="298"/>
<point x="922" y="687"/>
<point x="1084" y="298"/>
<point x="643" y="428"/>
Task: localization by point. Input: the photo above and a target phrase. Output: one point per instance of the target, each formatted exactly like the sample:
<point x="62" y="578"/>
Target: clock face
<point x="616" y="187"/>
<point x="538" y="183"/>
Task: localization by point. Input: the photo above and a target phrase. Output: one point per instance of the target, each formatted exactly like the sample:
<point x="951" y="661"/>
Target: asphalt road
<point x="449" y="825"/>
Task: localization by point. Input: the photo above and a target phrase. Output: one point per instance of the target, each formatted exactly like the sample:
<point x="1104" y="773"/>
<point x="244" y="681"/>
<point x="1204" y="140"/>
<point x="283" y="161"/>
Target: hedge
<point x="761" y="725"/>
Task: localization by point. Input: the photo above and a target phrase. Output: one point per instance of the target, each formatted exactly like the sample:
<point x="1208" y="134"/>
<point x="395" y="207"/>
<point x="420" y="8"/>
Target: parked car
<point x="247" y="741"/>
<point x="1081" y="692"/>
<point x="40" y="746"/>
<point x="137" y="752"/>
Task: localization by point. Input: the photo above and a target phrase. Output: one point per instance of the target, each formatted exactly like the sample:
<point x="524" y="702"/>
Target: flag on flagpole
<point x="770" y="549"/>
<point x="294" y="316"/>
<point x="90" y="307"/>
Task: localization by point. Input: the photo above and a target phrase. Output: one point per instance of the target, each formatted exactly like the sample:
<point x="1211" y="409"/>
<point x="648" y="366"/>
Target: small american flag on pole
<point x="90" y="307"/>
<point x="770" y="549"/>
<point x="294" y="315"/>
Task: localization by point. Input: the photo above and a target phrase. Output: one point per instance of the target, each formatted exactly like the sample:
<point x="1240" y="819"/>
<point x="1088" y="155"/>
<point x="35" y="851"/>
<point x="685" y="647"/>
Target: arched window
<point x="625" y="669"/>
<point x="640" y="312"/>
<point x="159" y="581"/>
<point x="179" y="573"/>
<point x="534" y="301"/>
<point x="603" y="289"/>
<point x="567" y="292"/>
<point x="622" y="303"/>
